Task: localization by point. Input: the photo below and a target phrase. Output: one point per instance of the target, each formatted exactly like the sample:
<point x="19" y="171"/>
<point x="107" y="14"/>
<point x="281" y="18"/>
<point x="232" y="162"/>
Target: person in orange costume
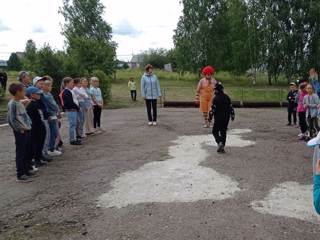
<point x="205" y="92"/>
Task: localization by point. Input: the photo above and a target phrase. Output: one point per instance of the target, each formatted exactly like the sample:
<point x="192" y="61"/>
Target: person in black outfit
<point x="3" y="80"/>
<point x="222" y="111"/>
<point x="292" y="99"/>
<point x="38" y="129"/>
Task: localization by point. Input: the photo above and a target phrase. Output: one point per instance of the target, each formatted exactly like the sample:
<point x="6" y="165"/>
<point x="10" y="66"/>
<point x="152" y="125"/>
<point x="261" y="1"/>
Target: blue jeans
<point x="47" y="139"/>
<point x="53" y="125"/>
<point x="81" y="119"/>
<point x="72" y="119"/>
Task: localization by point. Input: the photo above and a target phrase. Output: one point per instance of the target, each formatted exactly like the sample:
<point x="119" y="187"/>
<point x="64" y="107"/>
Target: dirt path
<point x="62" y="203"/>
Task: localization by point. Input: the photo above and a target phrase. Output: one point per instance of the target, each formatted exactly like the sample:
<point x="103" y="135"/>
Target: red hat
<point x="208" y="70"/>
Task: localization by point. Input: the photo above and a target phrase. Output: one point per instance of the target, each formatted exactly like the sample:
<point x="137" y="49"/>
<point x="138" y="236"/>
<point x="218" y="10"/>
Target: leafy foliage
<point x="14" y="62"/>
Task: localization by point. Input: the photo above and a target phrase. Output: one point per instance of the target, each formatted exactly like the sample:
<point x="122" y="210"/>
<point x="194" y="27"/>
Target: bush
<point x="105" y="84"/>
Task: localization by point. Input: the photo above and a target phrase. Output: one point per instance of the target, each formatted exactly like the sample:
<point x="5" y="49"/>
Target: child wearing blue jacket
<point x="315" y="143"/>
<point x="150" y="92"/>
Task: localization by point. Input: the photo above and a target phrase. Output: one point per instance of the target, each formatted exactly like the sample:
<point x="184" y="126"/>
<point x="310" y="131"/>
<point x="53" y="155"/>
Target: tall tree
<point x="88" y="35"/>
<point x="14" y="62"/>
<point x="30" y="55"/>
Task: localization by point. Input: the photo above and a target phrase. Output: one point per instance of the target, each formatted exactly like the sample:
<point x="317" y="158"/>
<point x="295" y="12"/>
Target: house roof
<point x="137" y="59"/>
<point x="3" y="63"/>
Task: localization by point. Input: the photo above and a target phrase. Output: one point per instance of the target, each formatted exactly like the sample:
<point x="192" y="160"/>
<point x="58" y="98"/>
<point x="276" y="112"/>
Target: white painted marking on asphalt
<point x="178" y="179"/>
<point x="4" y="125"/>
<point x="289" y="199"/>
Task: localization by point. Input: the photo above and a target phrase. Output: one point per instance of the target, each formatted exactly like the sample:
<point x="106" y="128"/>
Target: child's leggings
<point x="302" y="122"/>
<point x="313" y="125"/>
<point x="97" y="116"/>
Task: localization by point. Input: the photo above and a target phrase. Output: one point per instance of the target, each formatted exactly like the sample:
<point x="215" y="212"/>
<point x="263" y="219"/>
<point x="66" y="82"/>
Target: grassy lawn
<point x="176" y="88"/>
<point x="182" y="88"/>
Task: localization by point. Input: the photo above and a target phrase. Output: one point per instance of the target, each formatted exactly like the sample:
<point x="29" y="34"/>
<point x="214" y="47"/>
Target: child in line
<point x="292" y="104"/>
<point x="311" y="104"/>
<point x="88" y="110"/>
<point x="53" y="112"/>
<point x="71" y="107"/>
<point x="34" y="110"/>
<point x="315" y="143"/>
<point x="38" y="82"/>
<point x="97" y="103"/>
<point x="133" y="89"/>
<point x="20" y="123"/>
<point x="222" y="112"/>
<point x="302" y="112"/>
<point x="81" y="96"/>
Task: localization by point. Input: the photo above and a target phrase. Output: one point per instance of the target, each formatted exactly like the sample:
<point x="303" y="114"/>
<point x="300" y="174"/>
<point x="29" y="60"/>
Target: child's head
<point x="68" y="82"/>
<point x="131" y="79"/>
<point x="84" y="82"/>
<point x="95" y="82"/>
<point x="149" y="69"/>
<point x="293" y="86"/>
<point x="33" y="93"/>
<point x="47" y="86"/>
<point x="309" y="89"/>
<point x="17" y="90"/>
<point x="77" y="82"/>
<point x="303" y="86"/>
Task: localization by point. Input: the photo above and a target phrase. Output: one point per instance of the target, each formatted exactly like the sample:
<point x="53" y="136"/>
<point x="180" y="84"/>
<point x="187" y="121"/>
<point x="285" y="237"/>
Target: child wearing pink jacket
<point x="302" y="112"/>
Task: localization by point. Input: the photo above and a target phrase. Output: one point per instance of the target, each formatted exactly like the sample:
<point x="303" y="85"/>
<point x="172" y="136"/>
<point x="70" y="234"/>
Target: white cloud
<point x="38" y="29"/>
<point x="138" y="25"/>
<point x="125" y="29"/>
<point x="3" y="27"/>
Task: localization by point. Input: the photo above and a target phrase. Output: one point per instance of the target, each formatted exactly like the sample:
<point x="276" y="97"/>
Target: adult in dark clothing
<point x="3" y="80"/>
<point x="38" y="130"/>
<point x="292" y="99"/>
<point x="222" y="111"/>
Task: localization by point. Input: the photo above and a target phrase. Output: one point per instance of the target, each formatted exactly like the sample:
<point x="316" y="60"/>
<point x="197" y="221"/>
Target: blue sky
<point x="137" y="25"/>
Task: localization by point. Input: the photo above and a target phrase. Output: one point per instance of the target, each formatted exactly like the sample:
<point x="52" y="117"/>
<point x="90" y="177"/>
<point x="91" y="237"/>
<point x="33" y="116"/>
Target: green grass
<point x="182" y="88"/>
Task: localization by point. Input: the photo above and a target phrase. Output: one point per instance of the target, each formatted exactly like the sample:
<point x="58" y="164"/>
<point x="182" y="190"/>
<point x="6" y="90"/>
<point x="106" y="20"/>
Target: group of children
<point x="305" y="103"/>
<point x="35" y="117"/>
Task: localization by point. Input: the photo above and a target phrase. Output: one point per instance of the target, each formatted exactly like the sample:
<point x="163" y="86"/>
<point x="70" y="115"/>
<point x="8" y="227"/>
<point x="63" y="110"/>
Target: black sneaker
<point x="220" y="148"/>
<point x="46" y="158"/>
<point x="40" y="164"/>
<point x="24" y="179"/>
<point x="289" y="124"/>
<point x="31" y="174"/>
<point x="76" y="143"/>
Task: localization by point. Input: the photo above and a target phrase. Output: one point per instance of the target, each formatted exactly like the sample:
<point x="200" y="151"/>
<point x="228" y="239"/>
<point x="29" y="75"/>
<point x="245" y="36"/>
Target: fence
<point x="187" y="94"/>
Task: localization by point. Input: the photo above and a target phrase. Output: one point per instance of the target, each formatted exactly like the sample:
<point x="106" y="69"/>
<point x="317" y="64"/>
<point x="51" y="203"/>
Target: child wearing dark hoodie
<point x="292" y="104"/>
<point x="222" y="111"/>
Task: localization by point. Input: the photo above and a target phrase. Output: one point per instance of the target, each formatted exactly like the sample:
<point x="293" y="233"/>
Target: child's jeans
<point x="72" y="119"/>
<point x="47" y="139"/>
<point x="22" y="161"/>
<point x="53" y="126"/>
<point x="81" y="119"/>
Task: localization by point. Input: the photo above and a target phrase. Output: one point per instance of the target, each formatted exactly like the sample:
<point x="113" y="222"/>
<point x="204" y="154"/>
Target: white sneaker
<point x="150" y="124"/>
<point x="154" y="124"/>
<point x="54" y="153"/>
<point x="300" y="135"/>
<point x="34" y="169"/>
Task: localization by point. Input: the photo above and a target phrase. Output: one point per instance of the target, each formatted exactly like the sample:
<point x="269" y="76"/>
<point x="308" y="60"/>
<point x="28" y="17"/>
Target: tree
<point x="156" y="57"/>
<point x="88" y="36"/>
<point x="14" y="62"/>
<point x="30" y="56"/>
